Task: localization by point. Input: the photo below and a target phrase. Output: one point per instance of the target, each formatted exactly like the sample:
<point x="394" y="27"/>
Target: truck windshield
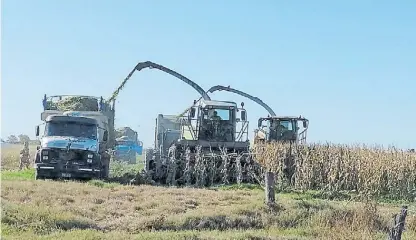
<point x="71" y="129"/>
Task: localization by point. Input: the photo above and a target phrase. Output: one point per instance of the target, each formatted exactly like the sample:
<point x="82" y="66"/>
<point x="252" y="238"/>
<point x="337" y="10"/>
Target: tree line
<point x="21" y="138"/>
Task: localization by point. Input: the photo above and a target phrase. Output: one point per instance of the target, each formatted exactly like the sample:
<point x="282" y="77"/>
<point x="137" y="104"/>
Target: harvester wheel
<point x="148" y="159"/>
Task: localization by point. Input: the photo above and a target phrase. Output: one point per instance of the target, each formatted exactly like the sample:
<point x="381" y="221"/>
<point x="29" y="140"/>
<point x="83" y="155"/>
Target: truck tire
<point x="105" y="167"/>
<point x="37" y="157"/>
<point x="38" y="177"/>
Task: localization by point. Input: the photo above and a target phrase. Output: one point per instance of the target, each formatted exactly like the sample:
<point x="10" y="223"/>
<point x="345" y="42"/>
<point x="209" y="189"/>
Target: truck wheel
<point x="38" y="177"/>
<point x="37" y="157"/>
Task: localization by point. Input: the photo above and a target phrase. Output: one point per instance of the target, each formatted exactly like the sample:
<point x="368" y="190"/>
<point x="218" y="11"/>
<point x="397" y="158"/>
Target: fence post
<point x="398" y="225"/>
<point x="270" y="188"/>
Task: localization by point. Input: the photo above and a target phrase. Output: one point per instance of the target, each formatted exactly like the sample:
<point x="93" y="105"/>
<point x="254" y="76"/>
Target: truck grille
<point x="64" y="155"/>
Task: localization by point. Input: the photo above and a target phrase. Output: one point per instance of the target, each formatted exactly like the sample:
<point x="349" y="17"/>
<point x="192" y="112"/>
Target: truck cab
<point x="75" y="138"/>
<point x="69" y="148"/>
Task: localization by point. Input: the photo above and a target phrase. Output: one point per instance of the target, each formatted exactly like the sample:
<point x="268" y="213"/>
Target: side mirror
<point x="192" y="113"/>
<point x="260" y="123"/>
<point x="37" y="131"/>
<point x="37" y="148"/>
<point x="105" y="136"/>
<point x="305" y="124"/>
<point x="243" y="115"/>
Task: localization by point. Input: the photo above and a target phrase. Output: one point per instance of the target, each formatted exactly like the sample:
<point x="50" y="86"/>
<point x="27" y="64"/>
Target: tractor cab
<point x="284" y="128"/>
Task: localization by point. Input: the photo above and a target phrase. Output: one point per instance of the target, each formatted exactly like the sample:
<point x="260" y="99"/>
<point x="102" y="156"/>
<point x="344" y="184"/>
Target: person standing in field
<point x="24" y="156"/>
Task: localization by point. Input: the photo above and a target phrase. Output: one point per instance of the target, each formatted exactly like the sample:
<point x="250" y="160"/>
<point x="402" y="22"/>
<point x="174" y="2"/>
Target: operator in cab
<point x="215" y="116"/>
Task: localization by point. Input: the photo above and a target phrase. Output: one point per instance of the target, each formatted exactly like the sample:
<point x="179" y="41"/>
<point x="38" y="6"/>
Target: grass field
<point x="99" y="210"/>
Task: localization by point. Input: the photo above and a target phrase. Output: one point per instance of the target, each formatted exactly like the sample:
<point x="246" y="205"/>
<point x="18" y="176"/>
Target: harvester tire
<point x="148" y="159"/>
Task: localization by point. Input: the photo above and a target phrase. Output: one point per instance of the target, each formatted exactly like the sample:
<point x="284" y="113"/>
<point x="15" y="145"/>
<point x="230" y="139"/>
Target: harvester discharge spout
<point x="148" y="64"/>
<point x="255" y="99"/>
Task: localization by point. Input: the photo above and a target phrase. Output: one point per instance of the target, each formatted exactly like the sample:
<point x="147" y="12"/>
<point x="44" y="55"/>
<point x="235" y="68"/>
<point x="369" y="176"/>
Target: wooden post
<point x="398" y="225"/>
<point x="270" y="188"/>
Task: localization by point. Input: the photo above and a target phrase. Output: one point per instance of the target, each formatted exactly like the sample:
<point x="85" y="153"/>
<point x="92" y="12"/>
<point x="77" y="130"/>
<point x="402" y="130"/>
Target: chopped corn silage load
<point x="75" y="104"/>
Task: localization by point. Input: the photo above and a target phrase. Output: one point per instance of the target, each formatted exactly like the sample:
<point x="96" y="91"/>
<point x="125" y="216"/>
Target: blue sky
<point x="348" y="66"/>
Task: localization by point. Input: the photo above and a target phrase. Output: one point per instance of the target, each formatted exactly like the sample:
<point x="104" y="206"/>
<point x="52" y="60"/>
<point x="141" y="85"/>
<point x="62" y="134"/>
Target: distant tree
<point x="23" y="138"/>
<point x="12" y="139"/>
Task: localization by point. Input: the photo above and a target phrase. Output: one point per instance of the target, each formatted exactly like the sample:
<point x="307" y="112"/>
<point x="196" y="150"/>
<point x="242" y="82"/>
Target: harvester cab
<point x="216" y="123"/>
<point x="282" y="129"/>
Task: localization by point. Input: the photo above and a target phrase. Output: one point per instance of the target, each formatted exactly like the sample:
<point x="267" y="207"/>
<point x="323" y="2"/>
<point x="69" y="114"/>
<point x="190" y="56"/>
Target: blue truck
<point x="75" y="139"/>
<point x="127" y="145"/>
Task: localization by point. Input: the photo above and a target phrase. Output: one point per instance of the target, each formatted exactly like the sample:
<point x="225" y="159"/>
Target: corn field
<point x="371" y="171"/>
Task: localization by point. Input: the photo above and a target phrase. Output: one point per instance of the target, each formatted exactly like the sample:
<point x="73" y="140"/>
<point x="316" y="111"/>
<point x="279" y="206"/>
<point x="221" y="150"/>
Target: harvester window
<point x="287" y="124"/>
<point x="221" y="114"/>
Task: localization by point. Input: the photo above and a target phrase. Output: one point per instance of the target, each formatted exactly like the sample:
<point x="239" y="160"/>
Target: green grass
<point x="28" y="174"/>
<point x="118" y="169"/>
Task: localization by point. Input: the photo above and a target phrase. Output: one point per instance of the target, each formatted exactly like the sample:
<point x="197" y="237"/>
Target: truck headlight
<point x="89" y="160"/>
<point x="45" y="157"/>
<point x="90" y="155"/>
